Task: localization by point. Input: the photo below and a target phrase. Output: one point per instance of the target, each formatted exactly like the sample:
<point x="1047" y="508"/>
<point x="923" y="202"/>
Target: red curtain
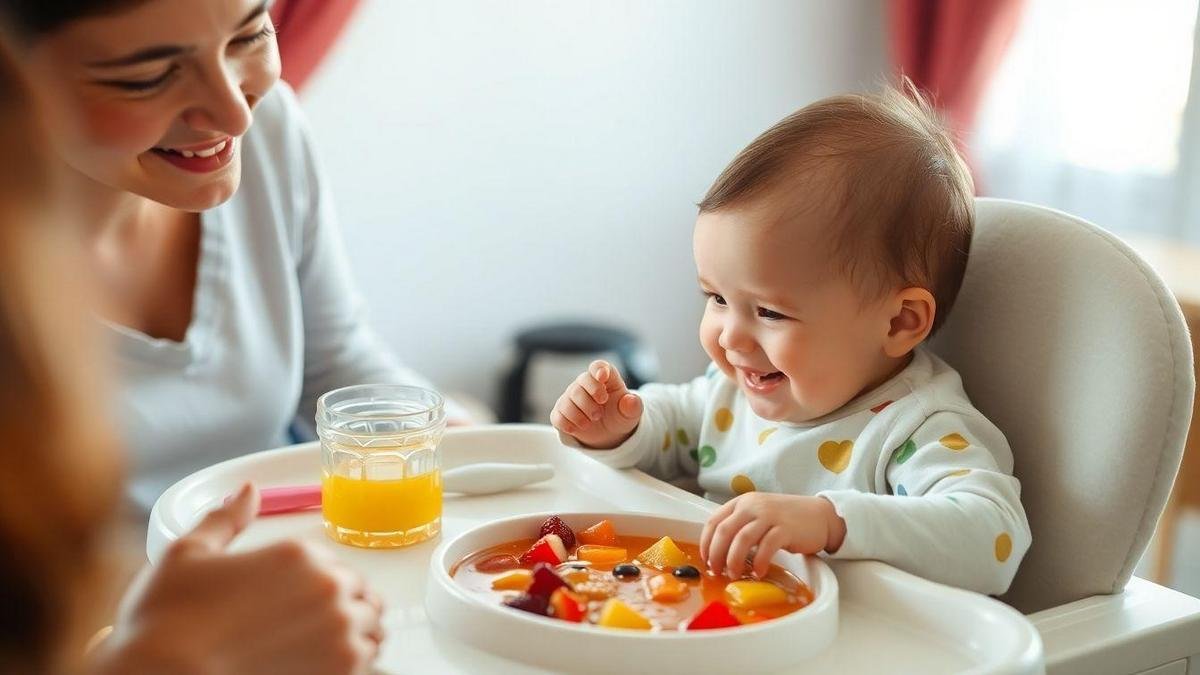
<point x="951" y="48"/>
<point x="306" y="29"/>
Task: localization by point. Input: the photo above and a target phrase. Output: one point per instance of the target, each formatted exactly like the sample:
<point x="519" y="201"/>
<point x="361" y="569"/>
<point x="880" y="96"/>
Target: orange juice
<point x="382" y="512"/>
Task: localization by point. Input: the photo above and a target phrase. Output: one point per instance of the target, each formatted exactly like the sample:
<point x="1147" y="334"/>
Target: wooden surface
<point x="1179" y="266"/>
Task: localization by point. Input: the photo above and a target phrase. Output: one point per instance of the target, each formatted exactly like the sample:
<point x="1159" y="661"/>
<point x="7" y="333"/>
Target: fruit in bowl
<point x="628" y="582"/>
<point x="623" y="615"/>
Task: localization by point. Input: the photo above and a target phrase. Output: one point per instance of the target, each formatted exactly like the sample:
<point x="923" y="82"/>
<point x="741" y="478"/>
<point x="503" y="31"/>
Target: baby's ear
<point x="913" y="310"/>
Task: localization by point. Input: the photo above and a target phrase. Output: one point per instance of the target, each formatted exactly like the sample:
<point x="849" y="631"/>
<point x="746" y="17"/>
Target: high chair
<point x="1075" y="348"/>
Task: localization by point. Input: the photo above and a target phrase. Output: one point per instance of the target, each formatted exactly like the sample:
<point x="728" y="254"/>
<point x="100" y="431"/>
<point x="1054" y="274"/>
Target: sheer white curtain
<point x="1095" y="112"/>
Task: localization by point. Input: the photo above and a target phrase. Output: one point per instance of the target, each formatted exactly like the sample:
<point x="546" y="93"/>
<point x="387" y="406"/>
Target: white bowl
<point x="566" y="647"/>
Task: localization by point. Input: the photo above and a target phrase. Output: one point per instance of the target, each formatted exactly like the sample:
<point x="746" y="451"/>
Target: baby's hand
<point x="769" y="522"/>
<point x="597" y="409"/>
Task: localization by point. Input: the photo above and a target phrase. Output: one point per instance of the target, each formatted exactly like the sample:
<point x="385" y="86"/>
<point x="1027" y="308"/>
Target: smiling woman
<point x="210" y="225"/>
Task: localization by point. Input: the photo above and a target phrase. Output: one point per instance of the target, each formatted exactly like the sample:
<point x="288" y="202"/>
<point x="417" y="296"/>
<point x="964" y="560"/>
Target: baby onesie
<point x="923" y="480"/>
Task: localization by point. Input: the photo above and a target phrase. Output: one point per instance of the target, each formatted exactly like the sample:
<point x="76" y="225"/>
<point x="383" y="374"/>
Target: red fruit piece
<point x="548" y="549"/>
<point x="568" y="606"/>
<point x="715" y="614"/>
<point x="545" y="581"/>
<point x="534" y="604"/>
<point x="498" y="563"/>
<point x="555" y="525"/>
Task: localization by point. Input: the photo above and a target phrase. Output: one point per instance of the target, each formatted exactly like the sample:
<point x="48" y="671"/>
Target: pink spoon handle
<point x="291" y="498"/>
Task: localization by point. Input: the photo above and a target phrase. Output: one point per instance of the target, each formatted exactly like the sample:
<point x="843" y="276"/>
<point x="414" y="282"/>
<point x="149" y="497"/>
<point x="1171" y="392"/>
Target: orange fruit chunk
<point x="666" y="588"/>
<point x="516" y="580"/>
<point x="602" y="534"/>
<point x="602" y="555"/>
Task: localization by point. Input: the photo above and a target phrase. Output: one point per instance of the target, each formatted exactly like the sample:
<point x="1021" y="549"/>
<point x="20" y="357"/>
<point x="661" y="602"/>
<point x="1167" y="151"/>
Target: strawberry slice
<point x="567" y="606"/>
<point x="545" y="581"/>
<point x="555" y="525"/>
<point x="715" y="614"/>
<point x="548" y="549"/>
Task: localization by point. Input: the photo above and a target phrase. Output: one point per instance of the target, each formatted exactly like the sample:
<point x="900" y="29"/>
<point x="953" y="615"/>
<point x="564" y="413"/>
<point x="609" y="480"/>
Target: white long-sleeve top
<point x="277" y="320"/>
<point x="923" y="480"/>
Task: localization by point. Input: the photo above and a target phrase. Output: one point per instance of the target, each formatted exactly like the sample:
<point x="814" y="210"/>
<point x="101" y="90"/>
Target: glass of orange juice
<point x="381" y="479"/>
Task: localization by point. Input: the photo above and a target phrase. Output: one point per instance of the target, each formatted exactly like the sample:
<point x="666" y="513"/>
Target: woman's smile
<point x="204" y="158"/>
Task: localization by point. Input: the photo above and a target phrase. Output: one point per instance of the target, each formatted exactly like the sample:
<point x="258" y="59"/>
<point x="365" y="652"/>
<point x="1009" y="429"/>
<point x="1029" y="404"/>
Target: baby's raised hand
<point x="767" y="522"/>
<point x="597" y="409"/>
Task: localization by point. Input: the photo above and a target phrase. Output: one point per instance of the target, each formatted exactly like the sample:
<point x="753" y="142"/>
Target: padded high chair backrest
<point x="1076" y="349"/>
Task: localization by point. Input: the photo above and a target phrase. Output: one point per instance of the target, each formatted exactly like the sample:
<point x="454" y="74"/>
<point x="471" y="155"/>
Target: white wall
<point x="500" y="163"/>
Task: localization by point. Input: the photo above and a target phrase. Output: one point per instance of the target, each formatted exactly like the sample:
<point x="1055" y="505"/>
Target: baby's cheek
<point x="709" y="340"/>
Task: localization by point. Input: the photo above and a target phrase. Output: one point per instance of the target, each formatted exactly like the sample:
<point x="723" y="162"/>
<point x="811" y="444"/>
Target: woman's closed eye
<point x="266" y="32"/>
<point x="144" y="84"/>
<point x="149" y="84"/>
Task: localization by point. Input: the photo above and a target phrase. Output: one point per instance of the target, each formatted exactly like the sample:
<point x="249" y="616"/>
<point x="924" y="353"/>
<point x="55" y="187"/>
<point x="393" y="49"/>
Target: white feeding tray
<point x="482" y="622"/>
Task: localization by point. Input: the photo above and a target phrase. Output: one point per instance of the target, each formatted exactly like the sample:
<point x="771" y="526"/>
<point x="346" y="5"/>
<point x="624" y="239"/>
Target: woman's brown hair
<point x="59" y="483"/>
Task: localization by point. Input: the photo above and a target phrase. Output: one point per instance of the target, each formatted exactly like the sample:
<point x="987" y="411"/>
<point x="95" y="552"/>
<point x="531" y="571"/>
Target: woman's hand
<point x="286" y="608"/>
<point x="597" y="409"/>
<point x="767" y="523"/>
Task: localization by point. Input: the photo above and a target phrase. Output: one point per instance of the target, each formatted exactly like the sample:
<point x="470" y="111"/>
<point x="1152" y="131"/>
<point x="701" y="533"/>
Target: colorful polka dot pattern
<point x="707" y="455"/>
<point x="954" y="442"/>
<point x="741" y="484"/>
<point x="666" y="441"/>
<point x="835" y="455"/>
<point x="960" y="472"/>
<point x="1003" y="547"/>
<point x="901" y="491"/>
<point x="765" y="434"/>
<point x="905" y="451"/>
<point x="682" y="437"/>
<point x="723" y="419"/>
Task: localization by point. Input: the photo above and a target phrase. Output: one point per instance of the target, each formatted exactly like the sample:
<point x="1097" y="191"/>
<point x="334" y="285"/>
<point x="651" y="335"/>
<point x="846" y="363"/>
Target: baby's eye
<point x="717" y="299"/>
<point x="770" y="314"/>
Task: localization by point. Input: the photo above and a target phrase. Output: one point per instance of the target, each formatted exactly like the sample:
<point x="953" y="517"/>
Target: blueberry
<point x="626" y="571"/>
<point x="687" y="572"/>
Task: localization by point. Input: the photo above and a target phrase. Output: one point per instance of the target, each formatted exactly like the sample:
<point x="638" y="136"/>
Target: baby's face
<point x="798" y="339"/>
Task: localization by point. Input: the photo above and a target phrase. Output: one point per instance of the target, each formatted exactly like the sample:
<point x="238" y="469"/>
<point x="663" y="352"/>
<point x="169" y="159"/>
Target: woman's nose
<point x="221" y="106"/>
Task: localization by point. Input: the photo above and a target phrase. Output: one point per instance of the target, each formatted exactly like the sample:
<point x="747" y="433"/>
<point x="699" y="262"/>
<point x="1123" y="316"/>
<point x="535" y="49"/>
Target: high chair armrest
<point x="1145" y="627"/>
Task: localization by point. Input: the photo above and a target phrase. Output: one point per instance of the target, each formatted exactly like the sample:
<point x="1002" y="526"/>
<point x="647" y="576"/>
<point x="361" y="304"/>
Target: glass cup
<point x="381" y="479"/>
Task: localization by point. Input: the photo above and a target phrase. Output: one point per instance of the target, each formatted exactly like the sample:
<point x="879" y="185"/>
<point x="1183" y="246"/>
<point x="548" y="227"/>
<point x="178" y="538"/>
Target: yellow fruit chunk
<point x="516" y="580"/>
<point x="754" y="594"/>
<point x="663" y="554"/>
<point x="666" y="588"/>
<point x="602" y="555"/>
<point x="617" y="614"/>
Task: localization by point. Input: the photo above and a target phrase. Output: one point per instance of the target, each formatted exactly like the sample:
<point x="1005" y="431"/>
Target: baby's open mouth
<point x="762" y="381"/>
<point x="760" y="378"/>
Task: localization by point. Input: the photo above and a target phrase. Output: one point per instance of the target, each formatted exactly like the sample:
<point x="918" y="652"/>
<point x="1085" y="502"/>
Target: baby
<point x="828" y="251"/>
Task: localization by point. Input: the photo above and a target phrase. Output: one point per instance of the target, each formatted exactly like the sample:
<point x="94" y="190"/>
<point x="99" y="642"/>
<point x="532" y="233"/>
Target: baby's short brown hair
<point x="886" y="169"/>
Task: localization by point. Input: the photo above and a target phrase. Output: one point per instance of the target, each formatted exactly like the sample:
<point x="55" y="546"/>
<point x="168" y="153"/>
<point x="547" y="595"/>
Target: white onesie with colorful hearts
<point x="923" y="480"/>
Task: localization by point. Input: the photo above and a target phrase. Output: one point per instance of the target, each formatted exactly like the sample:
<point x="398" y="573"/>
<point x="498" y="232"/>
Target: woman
<point x="282" y="609"/>
<point x="211" y="228"/>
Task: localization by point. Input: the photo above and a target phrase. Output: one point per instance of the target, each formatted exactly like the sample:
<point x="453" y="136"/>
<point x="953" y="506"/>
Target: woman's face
<point x="153" y="100"/>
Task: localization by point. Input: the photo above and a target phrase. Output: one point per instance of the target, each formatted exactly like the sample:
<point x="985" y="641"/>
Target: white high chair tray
<point x="889" y="620"/>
